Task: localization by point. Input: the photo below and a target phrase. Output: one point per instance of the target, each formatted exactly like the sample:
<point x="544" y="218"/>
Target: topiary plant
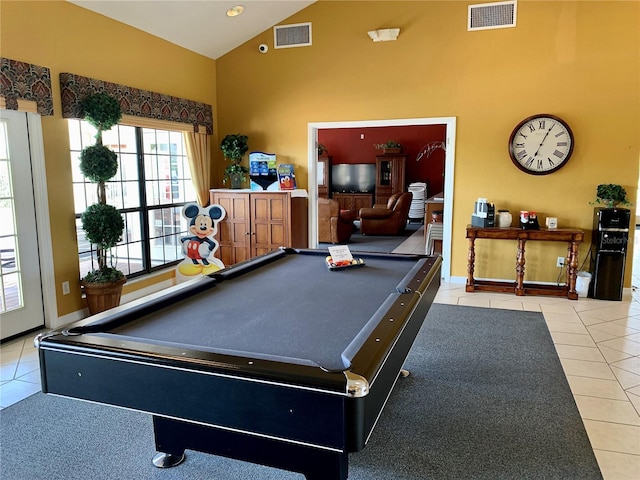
<point x="102" y="111"/>
<point x="102" y="223"/>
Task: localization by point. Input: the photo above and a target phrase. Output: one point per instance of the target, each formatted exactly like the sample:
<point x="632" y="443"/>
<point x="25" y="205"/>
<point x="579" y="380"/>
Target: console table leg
<point x="471" y="258"/>
<point x="520" y="261"/>
<point x="572" y="271"/>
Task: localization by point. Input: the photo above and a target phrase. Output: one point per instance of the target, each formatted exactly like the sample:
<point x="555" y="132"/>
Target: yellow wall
<point x="577" y="60"/>
<point x="67" y="38"/>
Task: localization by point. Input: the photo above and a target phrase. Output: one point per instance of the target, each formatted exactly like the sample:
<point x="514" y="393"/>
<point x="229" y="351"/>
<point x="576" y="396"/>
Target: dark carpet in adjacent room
<point x="376" y="243"/>
<point x="486" y="399"/>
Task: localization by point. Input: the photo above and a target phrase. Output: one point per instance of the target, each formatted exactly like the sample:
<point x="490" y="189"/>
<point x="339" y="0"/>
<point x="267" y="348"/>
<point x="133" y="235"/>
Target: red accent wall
<point x="345" y="145"/>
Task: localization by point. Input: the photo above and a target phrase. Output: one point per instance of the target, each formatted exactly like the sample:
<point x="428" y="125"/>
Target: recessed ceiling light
<point x="235" y="11"/>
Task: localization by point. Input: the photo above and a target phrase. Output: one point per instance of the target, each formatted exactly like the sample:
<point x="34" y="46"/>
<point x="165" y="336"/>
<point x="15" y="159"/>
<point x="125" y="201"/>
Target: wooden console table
<point x="519" y="287"/>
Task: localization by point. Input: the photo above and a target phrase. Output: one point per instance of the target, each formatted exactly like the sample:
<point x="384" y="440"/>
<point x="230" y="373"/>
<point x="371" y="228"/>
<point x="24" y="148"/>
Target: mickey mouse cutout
<point x="199" y="248"/>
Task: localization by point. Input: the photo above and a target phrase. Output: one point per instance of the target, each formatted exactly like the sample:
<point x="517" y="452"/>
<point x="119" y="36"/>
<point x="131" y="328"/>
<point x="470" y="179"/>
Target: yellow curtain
<point x="199" y="154"/>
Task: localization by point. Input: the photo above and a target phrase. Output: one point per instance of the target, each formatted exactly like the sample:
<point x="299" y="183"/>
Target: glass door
<point x="21" y="305"/>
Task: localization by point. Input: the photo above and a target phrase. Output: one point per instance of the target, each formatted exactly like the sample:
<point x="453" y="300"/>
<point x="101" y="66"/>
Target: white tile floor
<point x="598" y="343"/>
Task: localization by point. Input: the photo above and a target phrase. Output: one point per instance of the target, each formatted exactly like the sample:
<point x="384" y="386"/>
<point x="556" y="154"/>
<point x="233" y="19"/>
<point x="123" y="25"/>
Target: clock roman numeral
<point x="541" y="124"/>
<point x="529" y="162"/>
<point x="562" y="144"/>
<point x="539" y="166"/>
<point x="531" y="127"/>
<point x="521" y="154"/>
<point x="551" y="164"/>
<point x="558" y="154"/>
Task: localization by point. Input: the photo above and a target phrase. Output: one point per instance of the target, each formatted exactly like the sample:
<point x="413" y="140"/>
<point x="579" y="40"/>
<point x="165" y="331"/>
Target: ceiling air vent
<point x="294" y="35"/>
<point x="485" y="16"/>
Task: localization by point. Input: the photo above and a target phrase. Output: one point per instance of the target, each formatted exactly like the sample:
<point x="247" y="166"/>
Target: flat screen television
<point x="353" y="177"/>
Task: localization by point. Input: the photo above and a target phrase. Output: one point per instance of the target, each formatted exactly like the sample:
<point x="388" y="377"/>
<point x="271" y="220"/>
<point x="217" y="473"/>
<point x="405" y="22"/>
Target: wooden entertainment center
<point x="354" y="201"/>
<point x="390" y="179"/>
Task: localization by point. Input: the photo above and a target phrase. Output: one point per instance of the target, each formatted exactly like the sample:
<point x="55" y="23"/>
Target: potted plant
<point x="233" y="148"/>
<point x="102" y="223"/>
<point x="390" y="146"/>
<point x="611" y="195"/>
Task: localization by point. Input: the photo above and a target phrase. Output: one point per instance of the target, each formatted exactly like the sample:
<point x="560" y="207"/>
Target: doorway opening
<point x="450" y="125"/>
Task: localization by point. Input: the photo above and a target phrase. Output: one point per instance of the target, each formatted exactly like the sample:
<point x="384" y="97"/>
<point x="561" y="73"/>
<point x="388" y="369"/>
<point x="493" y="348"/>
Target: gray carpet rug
<point x="487" y="399"/>
<point x="377" y="243"/>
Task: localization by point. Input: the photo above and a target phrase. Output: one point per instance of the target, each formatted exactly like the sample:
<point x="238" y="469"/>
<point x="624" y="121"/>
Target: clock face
<point x="541" y="144"/>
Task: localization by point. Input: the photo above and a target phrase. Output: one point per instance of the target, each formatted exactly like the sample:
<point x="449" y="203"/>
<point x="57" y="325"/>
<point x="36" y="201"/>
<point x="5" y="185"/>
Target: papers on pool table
<point x="340" y="253"/>
<point x="340" y="257"/>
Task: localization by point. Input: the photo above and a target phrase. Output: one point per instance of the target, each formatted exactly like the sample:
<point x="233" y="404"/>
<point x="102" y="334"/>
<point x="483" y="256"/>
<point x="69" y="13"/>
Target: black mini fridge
<point x="609" y="252"/>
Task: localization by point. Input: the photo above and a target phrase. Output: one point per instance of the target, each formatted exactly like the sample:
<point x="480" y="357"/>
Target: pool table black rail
<point x="276" y="403"/>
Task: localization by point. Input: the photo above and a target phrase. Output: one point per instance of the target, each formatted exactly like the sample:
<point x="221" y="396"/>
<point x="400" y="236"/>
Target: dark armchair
<point x="390" y="219"/>
<point x="334" y="225"/>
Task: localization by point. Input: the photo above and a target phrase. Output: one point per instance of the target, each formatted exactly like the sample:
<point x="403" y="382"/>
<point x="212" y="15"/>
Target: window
<point x="152" y="184"/>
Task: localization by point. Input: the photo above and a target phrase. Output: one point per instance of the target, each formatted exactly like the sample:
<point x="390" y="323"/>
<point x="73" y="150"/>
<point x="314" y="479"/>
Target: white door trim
<point x="41" y="199"/>
<point x="449" y="122"/>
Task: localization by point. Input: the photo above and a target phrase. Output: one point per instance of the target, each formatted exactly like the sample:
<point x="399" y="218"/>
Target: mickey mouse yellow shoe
<point x="190" y="269"/>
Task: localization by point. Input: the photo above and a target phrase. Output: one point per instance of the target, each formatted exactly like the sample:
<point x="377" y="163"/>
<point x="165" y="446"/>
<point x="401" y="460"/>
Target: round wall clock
<point x="541" y="144"/>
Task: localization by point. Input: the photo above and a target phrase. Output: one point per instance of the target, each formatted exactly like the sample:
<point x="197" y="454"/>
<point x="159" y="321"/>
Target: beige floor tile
<point x="505" y="304"/>
<point x="630" y="322"/>
<point x="8" y="371"/>
<point x="562" y="338"/>
<point x="27" y="367"/>
<point x="618" y="466"/>
<point x="563" y="317"/>
<point x="615" y="311"/>
<point x="596" y="387"/>
<point x="635" y="401"/>
<point x="613" y="355"/>
<point x="15" y="391"/>
<point x="582" y="368"/>
<point x="613" y="437"/>
<point x="567" y="327"/>
<point x="629" y="364"/>
<point x="589" y="354"/>
<point x="563" y="308"/>
<point x="607" y="410"/>
<point x="474" y="302"/>
<point x="634" y="338"/>
<point x="599" y="335"/>
<point x="626" y="379"/>
<point x="623" y="345"/>
<point x="613" y="328"/>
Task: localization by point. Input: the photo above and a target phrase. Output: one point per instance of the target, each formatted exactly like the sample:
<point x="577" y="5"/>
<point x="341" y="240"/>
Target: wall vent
<point x="486" y="16"/>
<point x="294" y="35"/>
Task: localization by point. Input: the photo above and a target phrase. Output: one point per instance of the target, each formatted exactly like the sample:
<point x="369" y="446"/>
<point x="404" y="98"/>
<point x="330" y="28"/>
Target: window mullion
<point x="144" y="210"/>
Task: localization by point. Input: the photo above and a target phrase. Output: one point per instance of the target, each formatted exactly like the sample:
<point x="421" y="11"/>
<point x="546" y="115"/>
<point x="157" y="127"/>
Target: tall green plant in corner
<point x="102" y="223"/>
<point x="233" y="148"/>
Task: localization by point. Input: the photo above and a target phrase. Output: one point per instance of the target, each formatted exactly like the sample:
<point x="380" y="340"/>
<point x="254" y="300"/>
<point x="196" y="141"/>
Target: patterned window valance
<point x="133" y="101"/>
<point x="25" y="81"/>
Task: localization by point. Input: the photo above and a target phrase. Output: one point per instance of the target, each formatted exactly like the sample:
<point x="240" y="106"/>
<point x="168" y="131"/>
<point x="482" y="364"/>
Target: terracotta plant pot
<point x="102" y="296"/>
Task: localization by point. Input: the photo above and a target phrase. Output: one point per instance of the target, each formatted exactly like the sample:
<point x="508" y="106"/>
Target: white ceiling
<point x="201" y="26"/>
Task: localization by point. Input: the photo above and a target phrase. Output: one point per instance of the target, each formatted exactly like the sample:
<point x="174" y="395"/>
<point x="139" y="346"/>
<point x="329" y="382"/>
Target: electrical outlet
<point x="65" y="288"/>
<point x="560" y="262"/>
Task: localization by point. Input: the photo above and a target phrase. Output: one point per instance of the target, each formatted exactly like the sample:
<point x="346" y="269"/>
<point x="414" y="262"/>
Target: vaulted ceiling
<point x="201" y="26"/>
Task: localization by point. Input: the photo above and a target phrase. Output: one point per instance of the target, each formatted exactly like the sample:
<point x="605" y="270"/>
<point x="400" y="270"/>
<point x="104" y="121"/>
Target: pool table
<point x="278" y="360"/>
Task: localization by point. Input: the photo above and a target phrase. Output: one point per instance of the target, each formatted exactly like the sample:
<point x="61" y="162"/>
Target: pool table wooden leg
<point x="173" y="437"/>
